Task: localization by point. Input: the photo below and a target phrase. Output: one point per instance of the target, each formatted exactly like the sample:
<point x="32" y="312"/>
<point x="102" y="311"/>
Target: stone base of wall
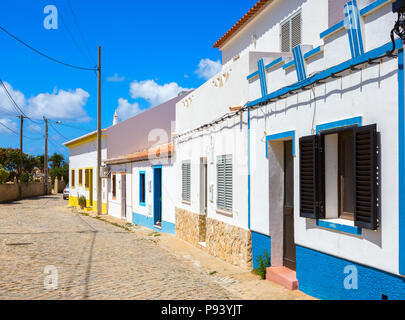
<point x="229" y="243"/>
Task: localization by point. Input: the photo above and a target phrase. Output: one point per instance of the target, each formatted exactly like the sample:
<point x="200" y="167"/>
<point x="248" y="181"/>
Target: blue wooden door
<point x="157" y="196"/>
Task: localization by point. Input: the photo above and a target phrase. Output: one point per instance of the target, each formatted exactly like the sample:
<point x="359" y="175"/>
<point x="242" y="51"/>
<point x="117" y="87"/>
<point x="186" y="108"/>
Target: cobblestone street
<point x="94" y="259"/>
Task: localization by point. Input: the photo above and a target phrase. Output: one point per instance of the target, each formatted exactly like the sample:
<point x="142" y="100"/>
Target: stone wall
<point x="10" y="191"/>
<point x="227" y="242"/>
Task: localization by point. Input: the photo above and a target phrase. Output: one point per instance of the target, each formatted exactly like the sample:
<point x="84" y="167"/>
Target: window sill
<point x="342" y="225"/>
<point x="225" y="213"/>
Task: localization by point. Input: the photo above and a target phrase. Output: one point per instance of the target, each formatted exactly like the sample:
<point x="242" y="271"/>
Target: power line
<point x="80" y="31"/>
<point x="73" y="39"/>
<point x="57" y="131"/>
<point x="74" y="127"/>
<point x="45" y="55"/>
<point x="15" y="132"/>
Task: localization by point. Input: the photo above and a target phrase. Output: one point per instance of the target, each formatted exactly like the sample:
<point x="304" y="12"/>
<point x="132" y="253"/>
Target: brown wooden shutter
<point x="365" y="177"/>
<point x="312" y="177"/>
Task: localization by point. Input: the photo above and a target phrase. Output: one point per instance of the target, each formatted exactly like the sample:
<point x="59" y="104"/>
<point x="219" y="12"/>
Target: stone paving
<point x="93" y="259"/>
<point x="103" y="258"/>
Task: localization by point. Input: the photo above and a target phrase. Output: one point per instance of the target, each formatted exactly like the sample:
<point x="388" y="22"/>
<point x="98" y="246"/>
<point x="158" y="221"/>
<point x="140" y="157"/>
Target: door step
<point x="283" y="276"/>
<point x="203" y="244"/>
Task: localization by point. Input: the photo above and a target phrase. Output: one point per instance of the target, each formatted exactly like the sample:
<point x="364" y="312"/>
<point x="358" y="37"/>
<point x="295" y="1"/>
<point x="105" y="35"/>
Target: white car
<point x="66" y="193"/>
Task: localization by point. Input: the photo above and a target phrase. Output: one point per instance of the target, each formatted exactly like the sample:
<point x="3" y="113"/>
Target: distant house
<point x="140" y="159"/>
<point x="83" y="170"/>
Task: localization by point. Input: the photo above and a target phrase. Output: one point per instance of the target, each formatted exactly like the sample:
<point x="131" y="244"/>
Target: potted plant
<point x="82" y="202"/>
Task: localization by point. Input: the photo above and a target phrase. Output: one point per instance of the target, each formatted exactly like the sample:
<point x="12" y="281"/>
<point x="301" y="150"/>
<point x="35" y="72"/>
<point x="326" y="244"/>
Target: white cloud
<point x="208" y="68"/>
<point x="63" y="105"/>
<point x="7" y="123"/>
<point x="115" y="78"/>
<point x="153" y="92"/>
<point x="58" y="105"/>
<point x="127" y="110"/>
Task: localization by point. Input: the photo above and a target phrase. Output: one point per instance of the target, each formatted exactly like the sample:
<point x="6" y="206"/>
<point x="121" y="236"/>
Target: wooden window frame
<point x="72" y="178"/>
<point x="114" y="185"/>
<point x="80" y="182"/>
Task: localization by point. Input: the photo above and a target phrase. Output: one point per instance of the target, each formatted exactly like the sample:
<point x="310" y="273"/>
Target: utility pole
<point x="99" y="199"/>
<point x="21" y="156"/>
<point x="46" y="158"/>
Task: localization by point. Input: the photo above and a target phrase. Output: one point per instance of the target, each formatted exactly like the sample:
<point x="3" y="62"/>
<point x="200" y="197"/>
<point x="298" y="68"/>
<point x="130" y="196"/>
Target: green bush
<point x="263" y="262"/>
<point x="82" y="201"/>
<point x="4" y="174"/>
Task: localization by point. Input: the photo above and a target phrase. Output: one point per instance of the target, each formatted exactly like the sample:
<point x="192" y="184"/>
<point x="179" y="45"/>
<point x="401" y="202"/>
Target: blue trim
<point x="401" y="154"/>
<point x="249" y="181"/>
<point x="366" y="10"/>
<point x="323" y="276"/>
<point x="299" y="63"/>
<point x="260" y="243"/>
<point x="279" y="136"/>
<point x="156" y="202"/>
<point x="353" y="25"/>
<point x="274" y="63"/>
<point x="289" y="64"/>
<point x="148" y="222"/>
<point x="328" y="72"/>
<point x="375" y="5"/>
<point x="253" y="75"/>
<point x="142" y="204"/>
<point x="339" y="124"/>
<point x="313" y="52"/>
<point x="262" y="75"/>
<point x="339" y="227"/>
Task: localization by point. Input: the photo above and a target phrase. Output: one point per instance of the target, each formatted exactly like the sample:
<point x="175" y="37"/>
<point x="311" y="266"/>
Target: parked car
<point x="66" y="193"/>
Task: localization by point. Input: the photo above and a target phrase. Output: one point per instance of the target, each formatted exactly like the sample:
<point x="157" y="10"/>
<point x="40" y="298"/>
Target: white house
<point x="297" y="148"/>
<point x="83" y="170"/>
<point x="140" y="159"/>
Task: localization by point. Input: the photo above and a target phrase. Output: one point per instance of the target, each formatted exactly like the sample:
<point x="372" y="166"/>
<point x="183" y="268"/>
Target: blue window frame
<point x="142" y="187"/>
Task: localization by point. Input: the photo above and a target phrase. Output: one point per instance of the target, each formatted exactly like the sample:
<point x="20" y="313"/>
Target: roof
<point x="83" y="139"/>
<point x="253" y="12"/>
<point x="152" y="154"/>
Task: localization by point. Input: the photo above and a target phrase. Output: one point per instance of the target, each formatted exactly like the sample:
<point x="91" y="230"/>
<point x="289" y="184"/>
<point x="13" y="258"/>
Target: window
<point x="142" y="188"/>
<point x="224" y="183"/>
<point x="186" y="181"/>
<point x="339" y="174"/>
<point x="114" y="186"/>
<point x="72" y="182"/>
<point x="80" y="177"/>
<point x="87" y="178"/>
<point x="290" y="33"/>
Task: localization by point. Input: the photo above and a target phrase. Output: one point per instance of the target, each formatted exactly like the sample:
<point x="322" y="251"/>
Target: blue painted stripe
<point x="339" y="124"/>
<point x="260" y="244"/>
<point x="274" y="63"/>
<point x="253" y="75"/>
<point x="299" y="63"/>
<point x="373" y="6"/>
<point x="339" y="227"/>
<point x="375" y="53"/>
<point x="313" y="52"/>
<point x="334" y="28"/>
<point x="249" y="178"/>
<point x="148" y="222"/>
<point x="280" y="136"/>
<point x="401" y="153"/>
<point x="353" y="25"/>
<point x="262" y="75"/>
<point x="289" y="64"/>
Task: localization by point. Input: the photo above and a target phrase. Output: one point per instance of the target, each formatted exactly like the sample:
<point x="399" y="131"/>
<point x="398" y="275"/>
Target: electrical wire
<point x="74" y="127"/>
<point x="45" y="55"/>
<point x="80" y="31"/>
<point x="57" y="131"/>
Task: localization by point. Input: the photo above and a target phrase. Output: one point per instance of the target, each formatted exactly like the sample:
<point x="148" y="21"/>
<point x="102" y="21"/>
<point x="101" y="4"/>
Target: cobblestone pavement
<point x="94" y="259"/>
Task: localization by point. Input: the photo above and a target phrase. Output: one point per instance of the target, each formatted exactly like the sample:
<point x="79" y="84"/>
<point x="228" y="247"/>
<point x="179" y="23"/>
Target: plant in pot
<point x="82" y="202"/>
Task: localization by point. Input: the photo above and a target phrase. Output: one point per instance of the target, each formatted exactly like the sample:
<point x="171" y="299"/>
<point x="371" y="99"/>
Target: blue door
<point x="157" y="196"/>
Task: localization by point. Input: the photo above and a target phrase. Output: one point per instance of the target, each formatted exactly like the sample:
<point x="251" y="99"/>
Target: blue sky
<point x="150" y="50"/>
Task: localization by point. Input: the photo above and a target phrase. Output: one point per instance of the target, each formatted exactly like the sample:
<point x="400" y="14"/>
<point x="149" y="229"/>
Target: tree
<point x="60" y="172"/>
<point x="4" y="174"/>
<point x="56" y="160"/>
<point x="40" y="162"/>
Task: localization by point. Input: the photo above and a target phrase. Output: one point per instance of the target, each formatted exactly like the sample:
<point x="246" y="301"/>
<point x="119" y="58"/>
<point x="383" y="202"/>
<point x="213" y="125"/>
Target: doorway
<point x="123" y="195"/>
<point x="289" y="255"/>
<point x="157" y="196"/>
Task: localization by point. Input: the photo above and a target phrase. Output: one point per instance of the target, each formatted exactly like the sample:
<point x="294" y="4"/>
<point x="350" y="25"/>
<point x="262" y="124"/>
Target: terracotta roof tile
<point x="255" y="10"/>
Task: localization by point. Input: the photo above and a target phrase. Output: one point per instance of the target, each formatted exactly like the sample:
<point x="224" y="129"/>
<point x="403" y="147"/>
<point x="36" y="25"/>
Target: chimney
<point x="115" y="121"/>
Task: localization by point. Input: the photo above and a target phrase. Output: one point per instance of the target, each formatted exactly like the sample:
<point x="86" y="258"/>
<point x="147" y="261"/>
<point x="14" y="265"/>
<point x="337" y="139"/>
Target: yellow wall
<point x="74" y="202"/>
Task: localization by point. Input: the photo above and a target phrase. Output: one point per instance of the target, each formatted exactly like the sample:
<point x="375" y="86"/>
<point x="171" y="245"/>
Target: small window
<point x="80" y="177"/>
<point x="72" y="182"/>
<point x="224" y="183"/>
<point x="114" y="186"/>
<point x="87" y="178"/>
<point x="290" y="33"/>
<point x="186" y="183"/>
<point x="142" y="188"/>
